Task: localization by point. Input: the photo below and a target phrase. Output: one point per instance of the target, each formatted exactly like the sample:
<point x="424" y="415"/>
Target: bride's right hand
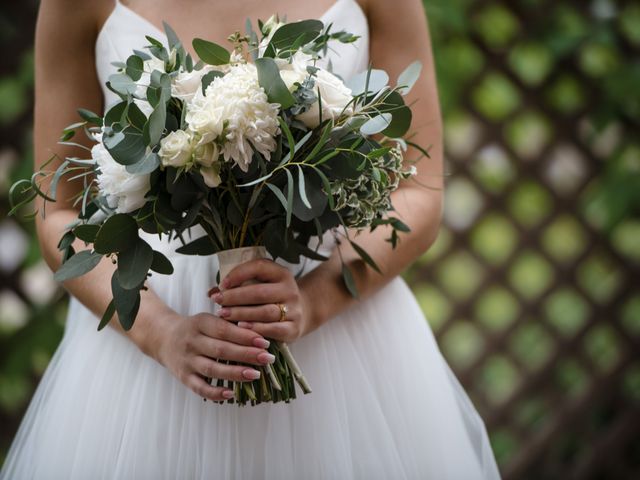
<point x="190" y="345"/>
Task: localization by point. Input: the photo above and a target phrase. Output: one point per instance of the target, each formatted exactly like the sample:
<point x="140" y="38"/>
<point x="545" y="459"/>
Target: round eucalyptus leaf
<point x="376" y="124"/>
<point x="117" y="234"/>
<point x="134" y="264"/>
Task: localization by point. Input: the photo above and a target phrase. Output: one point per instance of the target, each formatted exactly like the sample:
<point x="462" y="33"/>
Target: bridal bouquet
<point x="258" y="145"/>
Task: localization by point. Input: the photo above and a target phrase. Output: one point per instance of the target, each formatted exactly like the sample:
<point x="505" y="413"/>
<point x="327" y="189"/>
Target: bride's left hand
<point x="257" y="305"/>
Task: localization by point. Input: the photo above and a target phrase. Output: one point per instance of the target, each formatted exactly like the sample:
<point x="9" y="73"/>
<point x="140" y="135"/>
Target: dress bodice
<point x="125" y="30"/>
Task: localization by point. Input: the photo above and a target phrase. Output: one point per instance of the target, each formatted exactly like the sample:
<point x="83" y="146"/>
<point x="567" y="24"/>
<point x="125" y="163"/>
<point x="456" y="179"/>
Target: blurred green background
<point x="532" y="286"/>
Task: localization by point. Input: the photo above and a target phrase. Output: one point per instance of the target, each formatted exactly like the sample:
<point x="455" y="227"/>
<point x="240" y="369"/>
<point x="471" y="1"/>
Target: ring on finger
<point x="283" y="311"/>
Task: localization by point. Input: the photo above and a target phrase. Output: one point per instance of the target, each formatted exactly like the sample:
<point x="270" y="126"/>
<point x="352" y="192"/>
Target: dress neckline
<point x="121" y="7"/>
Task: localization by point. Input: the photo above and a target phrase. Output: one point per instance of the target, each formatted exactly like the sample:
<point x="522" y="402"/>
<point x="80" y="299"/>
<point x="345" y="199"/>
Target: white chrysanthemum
<point x="237" y="103"/>
<point x="124" y="191"/>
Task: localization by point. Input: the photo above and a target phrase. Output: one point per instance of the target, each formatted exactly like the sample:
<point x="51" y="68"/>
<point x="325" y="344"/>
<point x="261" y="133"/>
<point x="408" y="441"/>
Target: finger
<point x="262" y="270"/>
<point x="200" y="387"/>
<point x="281" y="331"/>
<point x="214" y="327"/>
<point x="261" y="313"/>
<point x="212" y="291"/>
<point x="212" y="348"/>
<point x="256" y="294"/>
<point x="211" y="369"/>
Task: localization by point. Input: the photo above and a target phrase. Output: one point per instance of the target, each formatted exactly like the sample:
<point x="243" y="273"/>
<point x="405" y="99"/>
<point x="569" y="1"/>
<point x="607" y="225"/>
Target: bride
<point x="129" y="405"/>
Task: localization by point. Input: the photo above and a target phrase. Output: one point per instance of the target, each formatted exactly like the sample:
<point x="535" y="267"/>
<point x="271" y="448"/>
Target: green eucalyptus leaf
<point x="134" y="264"/>
<point x="114" y="114"/>
<point x="117" y="234"/>
<point x="172" y="36"/>
<point x="149" y="163"/>
<point x="86" y="232"/>
<point x="349" y="282"/>
<point x="200" y="246"/>
<point x="302" y="188"/>
<point x="77" y="265"/>
<point x="123" y="84"/>
<point x="126" y="147"/>
<point x="127" y="302"/>
<point x="401" y="121"/>
<point x="161" y="264"/>
<point x="107" y="315"/>
<point x="154" y="128"/>
<point x="90" y="117"/>
<point x="369" y="81"/>
<point x="365" y="256"/>
<point x="135" y="67"/>
<point x="279" y="195"/>
<point x="408" y="78"/>
<point x="295" y="33"/>
<point x="376" y="124"/>
<point x="210" y="52"/>
<point x="273" y="85"/>
<point x="289" y="197"/>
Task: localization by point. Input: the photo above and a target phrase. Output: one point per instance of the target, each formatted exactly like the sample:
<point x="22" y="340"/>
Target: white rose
<point x="175" y="149"/>
<point x="335" y="96"/>
<point x="124" y="191"/>
<point x="211" y="175"/>
<point x="290" y="78"/>
<point x="186" y="84"/>
<point x="206" y="154"/>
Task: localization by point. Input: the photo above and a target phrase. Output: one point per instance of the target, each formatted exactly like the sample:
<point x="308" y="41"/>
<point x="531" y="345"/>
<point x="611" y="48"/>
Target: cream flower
<point x="237" y="103"/>
<point x="124" y="191"/>
<point x="335" y="96"/>
<point x="175" y="149"/>
<point x="186" y="84"/>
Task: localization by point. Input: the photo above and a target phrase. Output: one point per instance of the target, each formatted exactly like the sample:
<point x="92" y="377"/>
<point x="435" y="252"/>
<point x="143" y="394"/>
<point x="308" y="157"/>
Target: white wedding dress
<point x="385" y="404"/>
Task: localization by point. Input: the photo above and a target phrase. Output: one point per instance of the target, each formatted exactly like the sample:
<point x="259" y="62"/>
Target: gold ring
<point x="283" y="311"/>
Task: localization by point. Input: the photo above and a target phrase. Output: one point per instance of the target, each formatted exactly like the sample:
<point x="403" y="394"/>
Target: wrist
<point x="312" y="312"/>
<point x="151" y="331"/>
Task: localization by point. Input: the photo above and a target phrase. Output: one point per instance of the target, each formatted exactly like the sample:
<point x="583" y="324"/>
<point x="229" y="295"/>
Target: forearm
<point x="420" y="208"/>
<point x="93" y="289"/>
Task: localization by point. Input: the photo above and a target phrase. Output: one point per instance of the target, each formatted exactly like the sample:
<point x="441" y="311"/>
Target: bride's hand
<point x="189" y="345"/>
<point x="257" y="306"/>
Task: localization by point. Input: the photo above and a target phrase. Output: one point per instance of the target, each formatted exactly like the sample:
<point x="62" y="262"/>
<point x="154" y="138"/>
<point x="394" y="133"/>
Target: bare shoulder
<point x="70" y="20"/>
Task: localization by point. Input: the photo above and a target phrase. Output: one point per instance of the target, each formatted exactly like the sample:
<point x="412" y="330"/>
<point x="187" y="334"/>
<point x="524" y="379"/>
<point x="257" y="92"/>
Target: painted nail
<point x="248" y="325"/>
<point x="251" y="374"/>
<point x="228" y="394"/>
<point x="261" y="342"/>
<point x="217" y="297"/>
<point x="212" y="290"/>
<point x="266" y="357"/>
<point x="224" y="312"/>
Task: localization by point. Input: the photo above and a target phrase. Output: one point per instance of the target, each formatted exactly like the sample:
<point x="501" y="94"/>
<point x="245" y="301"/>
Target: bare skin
<point x="186" y="346"/>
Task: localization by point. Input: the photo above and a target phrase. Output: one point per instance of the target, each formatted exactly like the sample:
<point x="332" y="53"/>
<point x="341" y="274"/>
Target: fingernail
<point x="266" y="357"/>
<point x="228" y="394"/>
<point x="224" y="312"/>
<point x="261" y="342"/>
<point x="225" y="283"/>
<point x="212" y="290"/>
<point x="251" y="374"/>
<point x="217" y="297"/>
<point x="248" y="325"/>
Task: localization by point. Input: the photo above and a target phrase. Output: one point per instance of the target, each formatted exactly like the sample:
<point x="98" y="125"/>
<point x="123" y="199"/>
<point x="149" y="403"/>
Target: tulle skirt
<point x="385" y="405"/>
